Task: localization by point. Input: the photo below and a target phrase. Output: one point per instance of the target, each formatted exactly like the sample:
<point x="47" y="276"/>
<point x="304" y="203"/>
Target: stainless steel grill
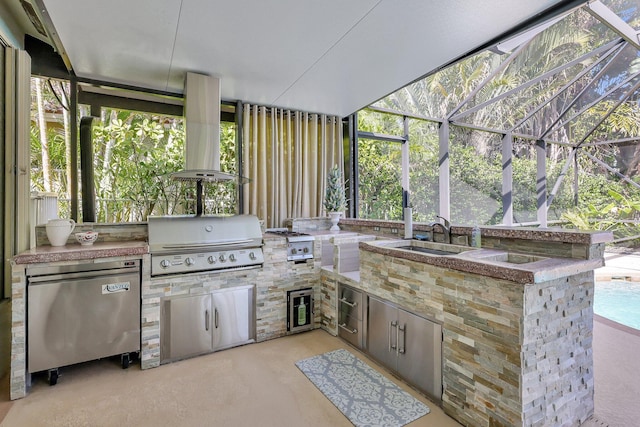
<point x="185" y="244"/>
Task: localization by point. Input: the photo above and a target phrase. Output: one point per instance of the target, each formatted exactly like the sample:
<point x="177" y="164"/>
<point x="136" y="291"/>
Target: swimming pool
<point x="619" y="301"/>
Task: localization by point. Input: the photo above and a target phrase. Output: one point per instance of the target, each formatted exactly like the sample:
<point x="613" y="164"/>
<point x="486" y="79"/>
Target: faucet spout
<point x="445" y="221"/>
<point x="445" y="226"/>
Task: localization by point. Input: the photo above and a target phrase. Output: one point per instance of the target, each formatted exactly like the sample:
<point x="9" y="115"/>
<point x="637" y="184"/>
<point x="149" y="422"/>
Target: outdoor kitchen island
<point x="516" y="316"/>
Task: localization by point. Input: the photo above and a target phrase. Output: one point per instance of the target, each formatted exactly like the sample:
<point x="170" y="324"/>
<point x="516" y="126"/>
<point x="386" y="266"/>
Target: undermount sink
<point x="514" y="258"/>
<point x="427" y="250"/>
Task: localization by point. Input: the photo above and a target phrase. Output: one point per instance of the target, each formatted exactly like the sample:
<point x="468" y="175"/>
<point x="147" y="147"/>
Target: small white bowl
<point x="87" y="238"/>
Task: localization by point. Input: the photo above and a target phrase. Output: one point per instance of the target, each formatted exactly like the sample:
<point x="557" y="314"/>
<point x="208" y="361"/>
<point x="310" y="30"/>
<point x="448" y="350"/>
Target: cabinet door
<point x="231" y="316"/>
<point x="186" y="326"/>
<point x="382" y="332"/>
<point x="420" y="353"/>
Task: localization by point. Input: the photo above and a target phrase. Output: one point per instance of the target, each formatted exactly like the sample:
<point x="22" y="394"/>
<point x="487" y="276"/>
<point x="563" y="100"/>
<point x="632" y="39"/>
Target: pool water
<point x="619" y="301"/>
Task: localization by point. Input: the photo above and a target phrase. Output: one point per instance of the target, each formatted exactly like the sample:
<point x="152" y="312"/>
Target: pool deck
<point x="622" y="266"/>
<point x="616" y="355"/>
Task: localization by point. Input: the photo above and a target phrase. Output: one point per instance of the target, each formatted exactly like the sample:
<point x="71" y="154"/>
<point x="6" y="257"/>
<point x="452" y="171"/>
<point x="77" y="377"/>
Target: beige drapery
<point x="286" y="156"/>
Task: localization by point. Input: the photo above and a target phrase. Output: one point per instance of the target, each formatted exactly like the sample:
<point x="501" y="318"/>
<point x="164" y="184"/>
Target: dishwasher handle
<point x="81" y="275"/>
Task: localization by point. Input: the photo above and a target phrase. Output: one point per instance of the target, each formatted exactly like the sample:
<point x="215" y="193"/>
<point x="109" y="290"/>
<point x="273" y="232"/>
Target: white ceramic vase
<point x="335" y="218"/>
<point x="59" y="230"/>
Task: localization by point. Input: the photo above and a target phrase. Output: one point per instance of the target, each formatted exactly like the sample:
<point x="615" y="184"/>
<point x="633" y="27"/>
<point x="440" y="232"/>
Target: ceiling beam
<point x="613" y="21"/>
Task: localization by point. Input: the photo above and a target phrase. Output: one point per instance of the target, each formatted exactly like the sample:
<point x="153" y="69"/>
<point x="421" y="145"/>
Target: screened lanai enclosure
<point x="541" y="129"/>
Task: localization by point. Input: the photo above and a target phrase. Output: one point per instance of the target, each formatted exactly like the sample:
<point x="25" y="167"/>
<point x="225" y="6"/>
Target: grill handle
<point x="245" y="242"/>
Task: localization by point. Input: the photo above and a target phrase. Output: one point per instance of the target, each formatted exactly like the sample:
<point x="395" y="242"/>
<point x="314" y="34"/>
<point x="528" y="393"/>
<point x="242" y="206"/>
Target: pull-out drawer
<point x="349" y="302"/>
<point x="350" y="319"/>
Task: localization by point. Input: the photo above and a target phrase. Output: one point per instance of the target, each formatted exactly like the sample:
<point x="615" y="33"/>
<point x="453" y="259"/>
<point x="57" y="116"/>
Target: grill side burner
<point x="299" y="245"/>
<point x="186" y="244"/>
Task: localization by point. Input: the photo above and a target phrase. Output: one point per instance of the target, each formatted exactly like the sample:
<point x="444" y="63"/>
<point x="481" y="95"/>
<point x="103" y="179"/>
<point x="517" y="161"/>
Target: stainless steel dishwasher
<point x="77" y="313"/>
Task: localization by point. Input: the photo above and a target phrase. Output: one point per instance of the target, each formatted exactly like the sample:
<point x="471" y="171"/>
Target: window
<point x="134" y="153"/>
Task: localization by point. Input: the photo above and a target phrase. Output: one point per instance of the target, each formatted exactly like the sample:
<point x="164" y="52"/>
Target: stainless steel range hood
<point x="202" y="121"/>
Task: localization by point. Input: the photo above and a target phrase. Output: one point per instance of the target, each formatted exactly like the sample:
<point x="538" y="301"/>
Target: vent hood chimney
<point x="202" y="121"/>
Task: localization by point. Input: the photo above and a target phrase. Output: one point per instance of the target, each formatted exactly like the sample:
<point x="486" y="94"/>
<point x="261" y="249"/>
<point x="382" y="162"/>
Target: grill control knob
<point x="305" y="250"/>
<point x="165" y="263"/>
<point x="252" y="256"/>
<point x="293" y="251"/>
<point x="189" y="261"/>
<point x="222" y="258"/>
<point x="212" y="260"/>
<point x="232" y="258"/>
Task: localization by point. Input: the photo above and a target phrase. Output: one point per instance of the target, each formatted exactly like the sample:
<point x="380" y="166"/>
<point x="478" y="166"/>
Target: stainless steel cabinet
<point x="350" y="322"/>
<point x="406" y="343"/>
<point x="198" y="324"/>
<point x="231" y="317"/>
<point x="185" y="326"/>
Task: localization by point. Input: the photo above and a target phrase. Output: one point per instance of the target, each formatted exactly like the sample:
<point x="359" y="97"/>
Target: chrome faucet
<point x="446" y="228"/>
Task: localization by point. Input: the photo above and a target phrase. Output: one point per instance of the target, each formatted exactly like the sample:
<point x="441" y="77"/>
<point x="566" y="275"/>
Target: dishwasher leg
<point x="125" y="360"/>
<point x="52" y="376"/>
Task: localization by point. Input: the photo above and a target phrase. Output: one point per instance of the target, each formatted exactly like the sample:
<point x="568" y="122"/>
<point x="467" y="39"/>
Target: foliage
<point x="507" y="101"/>
<point x="380" y="192"/>
<point x="335" y="198"/>
<point x="619" y="214"/>
<point x="134" y="155"/>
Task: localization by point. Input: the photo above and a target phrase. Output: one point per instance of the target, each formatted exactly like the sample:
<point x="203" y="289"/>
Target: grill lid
<point x="189" y="233"/>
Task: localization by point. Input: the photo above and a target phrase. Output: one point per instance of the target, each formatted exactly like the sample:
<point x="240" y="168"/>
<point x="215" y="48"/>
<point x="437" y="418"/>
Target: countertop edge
<point x="535" y="272"/>
<point x="526" y="233"/>
<point x="75" y="252"/>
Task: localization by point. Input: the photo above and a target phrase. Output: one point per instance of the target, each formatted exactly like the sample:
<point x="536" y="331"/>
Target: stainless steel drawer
<point x="350" y="303"/>
<point x="350" y="329"/>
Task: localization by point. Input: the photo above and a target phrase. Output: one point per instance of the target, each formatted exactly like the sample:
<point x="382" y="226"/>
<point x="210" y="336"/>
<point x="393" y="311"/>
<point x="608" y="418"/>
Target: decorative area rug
<point x="362" y="394"/>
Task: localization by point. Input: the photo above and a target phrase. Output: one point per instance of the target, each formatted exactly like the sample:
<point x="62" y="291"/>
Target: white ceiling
<point x="330" y="56"/>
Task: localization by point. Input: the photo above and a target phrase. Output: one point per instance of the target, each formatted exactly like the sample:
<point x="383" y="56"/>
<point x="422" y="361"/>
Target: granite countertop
<point x="490" y="262"/>
<point x="75" y="251"/>
<point x="549" y="234"/>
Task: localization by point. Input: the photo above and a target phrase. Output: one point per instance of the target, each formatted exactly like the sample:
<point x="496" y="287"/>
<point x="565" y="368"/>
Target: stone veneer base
<point x="272" y="281"/>
<point x="514" y="354"/>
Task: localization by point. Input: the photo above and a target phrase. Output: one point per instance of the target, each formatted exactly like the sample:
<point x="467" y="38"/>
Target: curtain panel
<point x="286" y="156"/>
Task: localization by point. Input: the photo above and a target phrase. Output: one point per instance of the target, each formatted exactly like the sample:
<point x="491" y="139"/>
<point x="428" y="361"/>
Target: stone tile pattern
<point x="340" y="254"/>
<point x="329" y="284"/>
<point x="513" y="354"/>
<point x="346" y="252"/>
<point x="537" y="271"/>
<point x="18" y="370"/>
<point x="272" y="281"/>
